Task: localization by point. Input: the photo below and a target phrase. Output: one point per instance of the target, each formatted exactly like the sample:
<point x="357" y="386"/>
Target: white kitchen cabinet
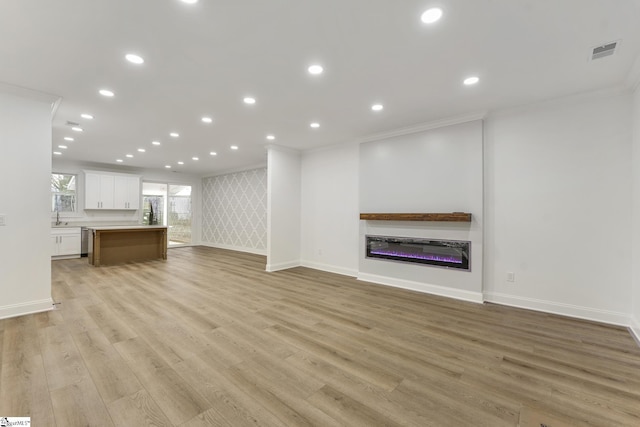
<point x="65" y="242"/>
<point x="126" y="192"/>
<point x="111" y="191"/>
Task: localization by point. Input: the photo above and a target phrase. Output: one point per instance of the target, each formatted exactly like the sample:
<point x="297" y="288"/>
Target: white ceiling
<point x="203" y="59"/>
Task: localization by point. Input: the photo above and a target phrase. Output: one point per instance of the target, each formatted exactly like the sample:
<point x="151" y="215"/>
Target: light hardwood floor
<point x="208" y="338"/>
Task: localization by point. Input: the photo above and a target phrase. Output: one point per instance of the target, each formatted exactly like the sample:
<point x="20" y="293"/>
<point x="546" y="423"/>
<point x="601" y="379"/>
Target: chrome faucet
<point x="58" y="218"/>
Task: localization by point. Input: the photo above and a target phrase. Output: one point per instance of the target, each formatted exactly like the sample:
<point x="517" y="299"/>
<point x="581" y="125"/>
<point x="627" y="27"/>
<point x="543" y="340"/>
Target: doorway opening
<point x="168" y="205"/>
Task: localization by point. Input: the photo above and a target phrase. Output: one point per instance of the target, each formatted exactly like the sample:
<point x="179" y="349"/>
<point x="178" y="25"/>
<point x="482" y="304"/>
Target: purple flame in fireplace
<point x="425" y="256"/>
<point x="442" y="253"/>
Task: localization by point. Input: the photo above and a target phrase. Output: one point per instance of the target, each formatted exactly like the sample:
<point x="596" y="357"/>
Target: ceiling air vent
<point x="70" y="123"/>
<point x="604" y="50"/>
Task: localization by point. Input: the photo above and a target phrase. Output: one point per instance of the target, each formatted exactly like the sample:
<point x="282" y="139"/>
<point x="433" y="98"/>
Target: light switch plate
<point x="3" y="221"/>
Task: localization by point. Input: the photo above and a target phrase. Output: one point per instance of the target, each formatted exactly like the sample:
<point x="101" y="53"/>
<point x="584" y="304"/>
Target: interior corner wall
<point x="558" y="207"/>
<point x="283" y="208"/>
<point x="330" y="209"/>
<point x="438" y="170"/>
<point x="234" y="211"/>
<point x="25" y="173"/>
<point x="635" y="316"/>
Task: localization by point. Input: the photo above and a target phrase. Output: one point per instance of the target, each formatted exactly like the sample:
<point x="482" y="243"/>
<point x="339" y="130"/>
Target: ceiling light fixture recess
<point x="181" y="163"/>
<point x="471" y="80"/>
<point x="174" y="134"/>
<point x="315" y="69"/>
<point x="64" y="147"/>
<point x="134" y="59"/>
<point x="431" y="16"/>
<point x="249" y="100"/>
<point x="119" y="160"/>
<point x="68" y="138"/>
<point x="271" y="137"/>
<point x="106" y="92"/>
<point x="155" y="142"/>
<point x="234" y="147"/>
<point x="207" y="120"/>
<point x="57" y="153"/>
<point x="195" y="158"/>
<point x="129" y="156"/>
<point x="141" y="150"/>
<point x="167" y="166"/>
<point x="86" y="116"/>
<point x="77" y="129"/>
<point x="213" y="153"/>
<point x="377" y="107"/>
<point x="189" y="1"/>
<point x="315" y="125"/>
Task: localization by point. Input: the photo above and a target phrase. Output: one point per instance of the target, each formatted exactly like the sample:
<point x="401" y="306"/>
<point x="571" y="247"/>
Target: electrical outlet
<point x="3" y="220"/>
<point x="511" y="276"/>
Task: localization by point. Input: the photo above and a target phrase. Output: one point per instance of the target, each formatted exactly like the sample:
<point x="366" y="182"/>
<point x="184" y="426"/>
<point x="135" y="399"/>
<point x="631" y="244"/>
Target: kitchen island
<point x="110" y="245"/>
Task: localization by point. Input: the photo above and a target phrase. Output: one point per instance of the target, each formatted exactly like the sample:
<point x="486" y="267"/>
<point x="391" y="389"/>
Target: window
<point x="63" y="192"/>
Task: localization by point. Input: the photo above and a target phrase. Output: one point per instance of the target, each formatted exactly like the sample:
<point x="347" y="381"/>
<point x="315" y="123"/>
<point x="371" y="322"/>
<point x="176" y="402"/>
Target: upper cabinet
<point x="111" y="191"/>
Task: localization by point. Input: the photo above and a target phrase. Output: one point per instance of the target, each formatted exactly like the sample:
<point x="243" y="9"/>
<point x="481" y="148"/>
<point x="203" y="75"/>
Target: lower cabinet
<point x="65" y="242"/>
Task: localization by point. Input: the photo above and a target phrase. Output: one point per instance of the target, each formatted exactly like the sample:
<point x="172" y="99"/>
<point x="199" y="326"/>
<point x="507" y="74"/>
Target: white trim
<point x="255" y="251"/>
<point x="449" y="121"/>
<point x="25" y="308"/>
<point x="634" y="329"/>
<point x="579" y="312"/>
<point x="423" y="287"/>
<point x="633" y="78"/>
<point x="31" y="94"/>
<point x="234" y="170"/>
<point x="351" y="272"/>
<point x="282" y="266"/>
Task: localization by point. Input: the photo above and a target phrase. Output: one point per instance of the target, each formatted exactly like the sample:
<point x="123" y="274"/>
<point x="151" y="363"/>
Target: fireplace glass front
<point x="442" y="253"/>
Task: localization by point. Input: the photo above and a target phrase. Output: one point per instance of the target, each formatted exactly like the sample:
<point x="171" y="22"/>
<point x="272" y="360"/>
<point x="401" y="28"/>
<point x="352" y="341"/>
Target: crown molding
<point x="449" y="121"/>
<point x="34" y="95"/>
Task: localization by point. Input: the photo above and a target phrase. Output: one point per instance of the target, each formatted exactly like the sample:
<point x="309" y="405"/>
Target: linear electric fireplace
<point x="441" y="253"/>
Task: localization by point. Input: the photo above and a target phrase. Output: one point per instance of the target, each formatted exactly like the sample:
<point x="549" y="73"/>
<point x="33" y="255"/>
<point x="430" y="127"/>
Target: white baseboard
<point x="634" y="328"/>
<point x="330" y="268"/>
<point x="423" y="287"/>
<point x="579" y="312"/>
<point x="22" y="309"/>
<point x="282" y="266"/>
<point x="235" y="248"/>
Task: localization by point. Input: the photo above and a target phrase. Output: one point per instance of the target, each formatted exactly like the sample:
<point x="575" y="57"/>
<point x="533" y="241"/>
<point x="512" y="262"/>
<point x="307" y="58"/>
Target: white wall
<point x="234" y="211"/>
<point x="330" y="209"/>
<point x="283" y="208"/>
<point x="438" y="170"/>
<point x="558" y="207"/>
<point x="635" y="321"/>
<point x="25" y="173"/>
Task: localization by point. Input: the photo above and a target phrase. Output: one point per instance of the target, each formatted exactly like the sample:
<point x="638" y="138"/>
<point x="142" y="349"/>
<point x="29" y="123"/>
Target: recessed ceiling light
<point x="315" y="125"/>
<point x="142" y="150"/>
<point x="213" y="153"/>
<point x="431" y="15"/>
<point x="195" y="158"/>
<point x="249" y="100"/>
<point x="189" y="1"/>
<point x="86" y="116"/>
<point x="134" y="59"/>
<point x="377" y="107"/>
<point x="155" y="142"/>
<point x="57" y="153"/>
<point x="106" y="92"/>
<point x="315" y="69"/>
<point x="234" y="147"/>
<point x="471" y="80"/>
<point x="207" y="120"/>
<point x="181" y="163"/>
<point x="64" y="147"/>
<point x="68" y="138"/>
<point x="119" y="160"/>
<point x="174" y="134"/>
<point x="129" y="155"/>
<point x="167" y="166"/>
<point x="271" y="137"/>
<point x="76" y="129"/>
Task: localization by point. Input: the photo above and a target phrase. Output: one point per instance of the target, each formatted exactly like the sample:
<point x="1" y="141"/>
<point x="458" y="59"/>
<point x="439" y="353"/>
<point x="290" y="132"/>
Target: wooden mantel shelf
<point x="442" y="217"/>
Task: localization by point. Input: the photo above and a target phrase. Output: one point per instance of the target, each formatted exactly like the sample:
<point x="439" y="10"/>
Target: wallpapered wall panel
<point x="234" y="209"/>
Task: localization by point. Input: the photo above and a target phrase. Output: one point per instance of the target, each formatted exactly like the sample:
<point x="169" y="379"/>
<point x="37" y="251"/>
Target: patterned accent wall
<point x="234" y="210"/>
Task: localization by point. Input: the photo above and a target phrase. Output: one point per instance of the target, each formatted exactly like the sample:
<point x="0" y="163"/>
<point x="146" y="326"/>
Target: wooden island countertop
<point x="116" y="244"/>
